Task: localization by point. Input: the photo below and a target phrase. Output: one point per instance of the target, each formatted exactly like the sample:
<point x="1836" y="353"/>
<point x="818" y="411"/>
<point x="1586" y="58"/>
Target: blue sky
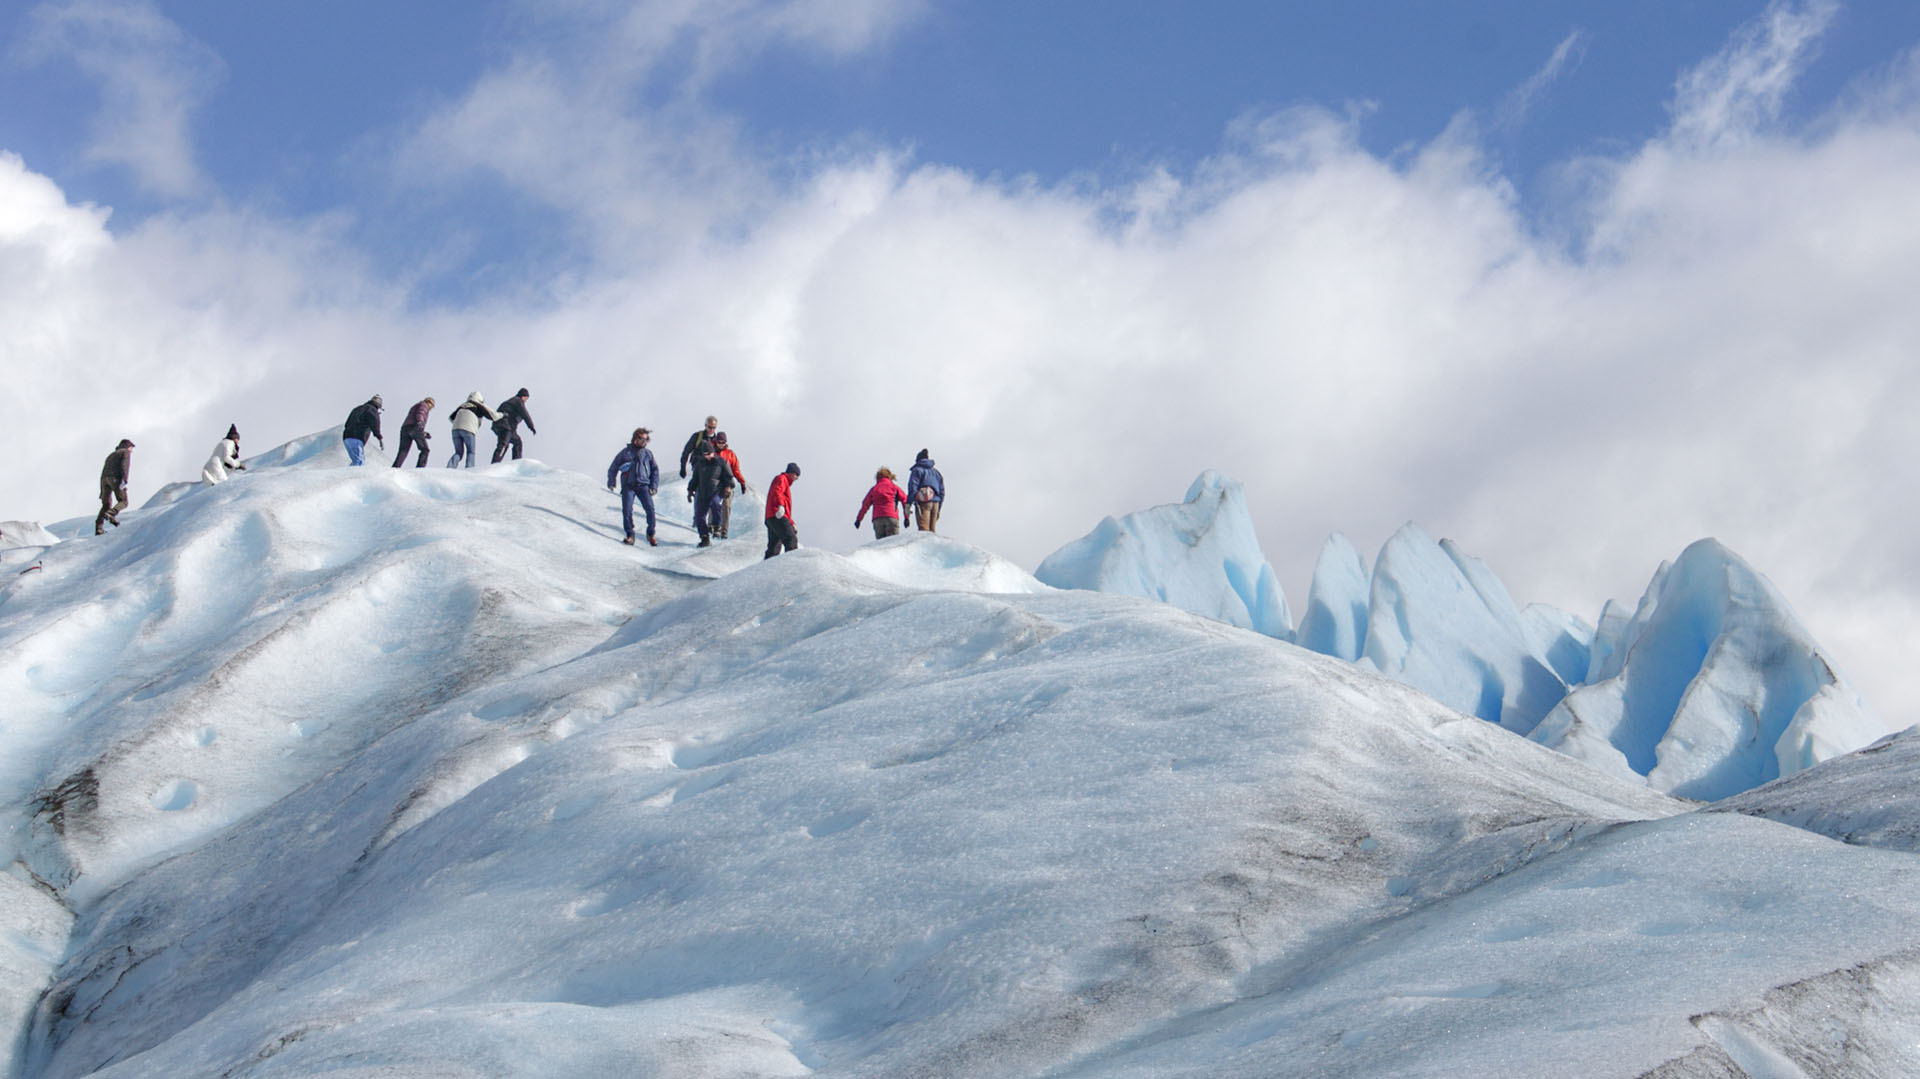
<point x="1574" y="284"/>
<point x="300" y="104"/>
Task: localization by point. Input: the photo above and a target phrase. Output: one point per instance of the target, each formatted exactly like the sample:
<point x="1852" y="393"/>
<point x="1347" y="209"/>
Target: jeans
<point x="708" y="513"/>
<point x="356" y="451"/>
<point x="462" y="447"/>
<point x="781" y="533"/>
<point x="627" y="495"/>
<point x="507" y="438"/>
<point x="408" y="436"/>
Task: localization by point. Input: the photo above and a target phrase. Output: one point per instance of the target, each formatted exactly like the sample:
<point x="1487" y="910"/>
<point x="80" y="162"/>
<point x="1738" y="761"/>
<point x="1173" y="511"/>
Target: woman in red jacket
<point x="888" y="503"/>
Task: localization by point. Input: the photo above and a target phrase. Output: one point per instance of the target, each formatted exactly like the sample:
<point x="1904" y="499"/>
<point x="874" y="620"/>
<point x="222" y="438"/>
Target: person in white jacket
<point x="225" y="459"/>
<point x="466" y="426"/>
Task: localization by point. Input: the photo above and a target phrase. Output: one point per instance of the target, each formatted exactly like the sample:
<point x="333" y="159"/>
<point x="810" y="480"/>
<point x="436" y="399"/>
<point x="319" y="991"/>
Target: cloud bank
<point x="1713" y="339"/>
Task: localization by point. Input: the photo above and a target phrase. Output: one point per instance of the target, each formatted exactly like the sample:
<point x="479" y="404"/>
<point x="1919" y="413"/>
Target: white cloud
<point x="1522" y="100"/>
<point x="151" y="74"/>
<point x="1726" y="351"/>
<point x="1740" y="91"/>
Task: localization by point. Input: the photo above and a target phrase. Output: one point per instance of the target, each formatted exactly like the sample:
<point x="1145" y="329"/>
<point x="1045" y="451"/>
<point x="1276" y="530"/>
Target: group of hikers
<point x="712" y="471"/>
<point x="710" y="466"/>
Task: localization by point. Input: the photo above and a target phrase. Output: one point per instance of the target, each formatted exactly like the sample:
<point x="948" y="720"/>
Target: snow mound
<point x="921" y="560"/>
<point x="25" y="534"/>
<point x="1867" y="796"/>
<point x="1719" y="687"/>
<point x="1200" y="555"/>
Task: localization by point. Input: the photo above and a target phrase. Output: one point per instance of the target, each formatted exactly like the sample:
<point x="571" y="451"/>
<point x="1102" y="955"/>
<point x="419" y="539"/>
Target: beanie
<point x="793" y="470"/>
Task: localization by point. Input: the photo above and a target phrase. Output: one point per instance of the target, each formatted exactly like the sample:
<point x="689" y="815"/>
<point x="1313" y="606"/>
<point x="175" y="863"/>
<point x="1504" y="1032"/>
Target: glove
<point x="612" y="488"/>
<point x="781" y="511"/>
<point x="689" y="496"/>
<point x="683" y="472"/>
<point x="383" y="444"/>
<point x="651" y="491"/>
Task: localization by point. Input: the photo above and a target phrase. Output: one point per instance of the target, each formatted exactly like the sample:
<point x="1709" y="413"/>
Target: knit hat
<point x="719" y="438"/>
<point x="125" y="444"/>
<point x="233" y="431"/>
<point x="921" y="456"/>
<point x="523" y="392"/>
<point x="793" y="470"/>
<point x="377" y="402"/>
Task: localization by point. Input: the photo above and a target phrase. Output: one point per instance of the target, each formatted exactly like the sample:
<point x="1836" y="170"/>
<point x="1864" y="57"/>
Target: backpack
<point x="923" y="496"/>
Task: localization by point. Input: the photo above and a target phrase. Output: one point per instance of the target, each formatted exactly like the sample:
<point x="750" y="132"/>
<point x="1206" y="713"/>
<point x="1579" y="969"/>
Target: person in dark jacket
<point x="926" y="490"/>
<point x="414" y="430"/>
<point x="512" y="413"/>
<point x="362" y="423"/>
<point x="782" y="533"/>
<point x="639" y="476"/>
<point x="712" y="481"/>
<point x="691" y="451"/>
<point x="114" y="475"/>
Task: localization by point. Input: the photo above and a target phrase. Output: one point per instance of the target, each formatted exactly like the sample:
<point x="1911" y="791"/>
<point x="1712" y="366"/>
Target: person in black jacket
<point x="512" y="413"/>
<point x="712" y="481"/>
<point x="114" y="475"/>
<point x="691" y="451"/>
<point x="363" y="422"/>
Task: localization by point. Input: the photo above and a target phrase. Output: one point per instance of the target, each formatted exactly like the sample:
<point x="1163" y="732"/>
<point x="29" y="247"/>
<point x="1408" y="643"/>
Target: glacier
<point x="1711" y="686"/>
<point x="367" y="772"/>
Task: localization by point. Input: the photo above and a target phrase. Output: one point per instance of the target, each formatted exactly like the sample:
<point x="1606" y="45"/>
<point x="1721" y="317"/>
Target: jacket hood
<point x="475" y="398"/>
<point x="924" y="462"/>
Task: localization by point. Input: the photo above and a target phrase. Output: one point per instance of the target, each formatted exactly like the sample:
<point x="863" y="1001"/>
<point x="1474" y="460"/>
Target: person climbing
<point x="691" y="451"/>
<point x="414" y="430"/>
<point x="506" y="425"/>
<point x="639" y="477"/>
<point x="888" y="503"/>
<point x="733" y="465"/>
<point x="712" y="480"/>
<point x="926" y="490"/>
<point x="781" y="531"/>
<point x="225" y="459"/>
<point x="114" y="475"/>
<point x="363" y="421"/>
<point x="466" y="427"/>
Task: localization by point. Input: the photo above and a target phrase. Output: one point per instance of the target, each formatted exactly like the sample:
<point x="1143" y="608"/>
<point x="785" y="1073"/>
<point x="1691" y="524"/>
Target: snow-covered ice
<point x="367" y="772"/>
<point x="1200" y="555"/>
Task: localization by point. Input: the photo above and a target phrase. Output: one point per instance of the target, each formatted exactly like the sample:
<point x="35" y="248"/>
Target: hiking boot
<point x="628" y="541"/>
<point x="651" y="542"/>
<point x="705" y="541"/>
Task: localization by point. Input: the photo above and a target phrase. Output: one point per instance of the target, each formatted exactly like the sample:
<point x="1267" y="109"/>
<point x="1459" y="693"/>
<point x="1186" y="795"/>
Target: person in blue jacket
<point x="639" y="477"/>
<point x="926" y="490"/>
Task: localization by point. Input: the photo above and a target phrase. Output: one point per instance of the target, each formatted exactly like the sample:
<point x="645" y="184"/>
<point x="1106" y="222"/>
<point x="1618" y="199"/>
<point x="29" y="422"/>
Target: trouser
<point x="408" y="436"/>
<point x="356" y="451"/>
<point x="885" y="526"/>
<point x="706" y="513"/>
<point x="926" y="515"/>
<point x="507" y="438"/>
<point x="726" y="512"/>
<point x="462" y="448"/>
<point x="113" y="499"/>
<point x="781" y="533"/>
<point x="627" y="495"/>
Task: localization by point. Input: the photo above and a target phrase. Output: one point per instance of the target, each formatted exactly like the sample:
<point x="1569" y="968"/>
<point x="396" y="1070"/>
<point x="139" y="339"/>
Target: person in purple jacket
<point x="639" y="477"/>
<point x="414" y="430"/>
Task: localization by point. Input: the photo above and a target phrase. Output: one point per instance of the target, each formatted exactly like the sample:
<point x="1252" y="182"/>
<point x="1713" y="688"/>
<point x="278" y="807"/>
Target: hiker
<point x="113" y="485"/>
<point x="639" y="478"/>
<point x="364" y="420"/>
<point x="888" y="503"/>
<point x="691" y="451"/>
<point x="712" y="480"/>
<point x="414" y="429"/>
<point x="926" y="490"/>
<point x="225" y="459"/>
<point x="733" y="465"/>
<point x="781" y="531"/>
<point x="466" y="427"/>
<point x="506" y="425"/>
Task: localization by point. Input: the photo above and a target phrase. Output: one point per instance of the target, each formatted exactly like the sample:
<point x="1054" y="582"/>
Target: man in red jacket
<point x="782" y="534"/>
